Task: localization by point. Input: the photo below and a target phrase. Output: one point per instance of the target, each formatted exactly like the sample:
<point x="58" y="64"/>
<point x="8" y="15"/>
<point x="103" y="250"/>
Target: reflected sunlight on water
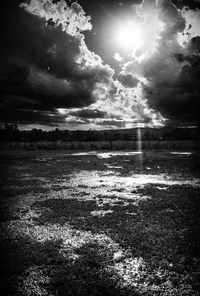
<point x="106" y="154"/>
<point x="181" y="153"/>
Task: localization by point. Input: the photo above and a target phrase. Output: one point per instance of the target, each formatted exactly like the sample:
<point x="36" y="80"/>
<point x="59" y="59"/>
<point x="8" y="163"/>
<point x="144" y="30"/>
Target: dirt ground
<point x="100" y="223"/>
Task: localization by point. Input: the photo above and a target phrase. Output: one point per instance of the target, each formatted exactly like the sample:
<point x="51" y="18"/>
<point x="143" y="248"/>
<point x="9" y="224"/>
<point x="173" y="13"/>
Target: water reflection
<point x="113" y="166"/>
<point x="117" y="153"/>
<point x="106" y="154"/>
<point x="122" y="153"/>
<point x="181" y="153"/>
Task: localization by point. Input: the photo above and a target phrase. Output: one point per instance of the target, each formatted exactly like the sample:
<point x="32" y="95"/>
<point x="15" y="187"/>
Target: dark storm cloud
<point x="178" y="100"/>
<point x="32" y="117"/>
<point x="26" y="87"/>
<point x="112" y="123"/>
<point x="88" y="113"/>
<point x="173" y="71"/>
<point x="194" y="45"/>
<point x="39" y="68"/>
<point x="195" y="4"/>
<point x="33" y="42"/>
<point x="128" y="80"/>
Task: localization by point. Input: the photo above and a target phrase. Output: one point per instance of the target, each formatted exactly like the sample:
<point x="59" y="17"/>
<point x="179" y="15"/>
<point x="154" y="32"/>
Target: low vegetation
<point x="100" y="223"/>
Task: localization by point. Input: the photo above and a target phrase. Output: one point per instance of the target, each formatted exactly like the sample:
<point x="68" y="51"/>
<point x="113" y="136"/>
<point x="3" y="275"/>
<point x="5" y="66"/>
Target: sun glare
<point x="129" y="36"/>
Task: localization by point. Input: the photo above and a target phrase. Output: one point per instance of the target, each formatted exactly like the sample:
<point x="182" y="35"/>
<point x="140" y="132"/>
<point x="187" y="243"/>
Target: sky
<point x="100" y="64"/>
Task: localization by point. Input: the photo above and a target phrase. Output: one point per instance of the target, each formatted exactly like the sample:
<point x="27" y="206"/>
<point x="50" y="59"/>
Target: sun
<point x="129" y="36"/>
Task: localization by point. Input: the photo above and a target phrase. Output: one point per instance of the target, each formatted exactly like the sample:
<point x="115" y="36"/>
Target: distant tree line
<point x="15" y="138"/>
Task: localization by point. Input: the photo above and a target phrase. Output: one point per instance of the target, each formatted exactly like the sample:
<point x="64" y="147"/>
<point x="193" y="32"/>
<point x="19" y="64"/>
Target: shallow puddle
<point x="106" y="154"/>
<point x="181" y="153"/>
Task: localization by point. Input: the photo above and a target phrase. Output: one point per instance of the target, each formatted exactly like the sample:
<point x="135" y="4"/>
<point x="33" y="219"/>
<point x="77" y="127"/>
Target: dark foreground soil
<point x="100" y="224"/>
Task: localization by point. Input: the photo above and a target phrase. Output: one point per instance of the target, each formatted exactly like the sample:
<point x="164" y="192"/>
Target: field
<point x="100" y="223"/>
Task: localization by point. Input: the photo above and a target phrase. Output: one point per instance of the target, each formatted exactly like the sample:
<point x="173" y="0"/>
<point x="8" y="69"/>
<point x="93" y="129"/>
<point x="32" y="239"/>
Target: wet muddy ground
<point x="100" y="223"/>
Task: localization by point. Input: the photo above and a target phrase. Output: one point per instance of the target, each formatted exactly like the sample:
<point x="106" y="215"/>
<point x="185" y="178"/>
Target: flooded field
<point x="100" y="223"/>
